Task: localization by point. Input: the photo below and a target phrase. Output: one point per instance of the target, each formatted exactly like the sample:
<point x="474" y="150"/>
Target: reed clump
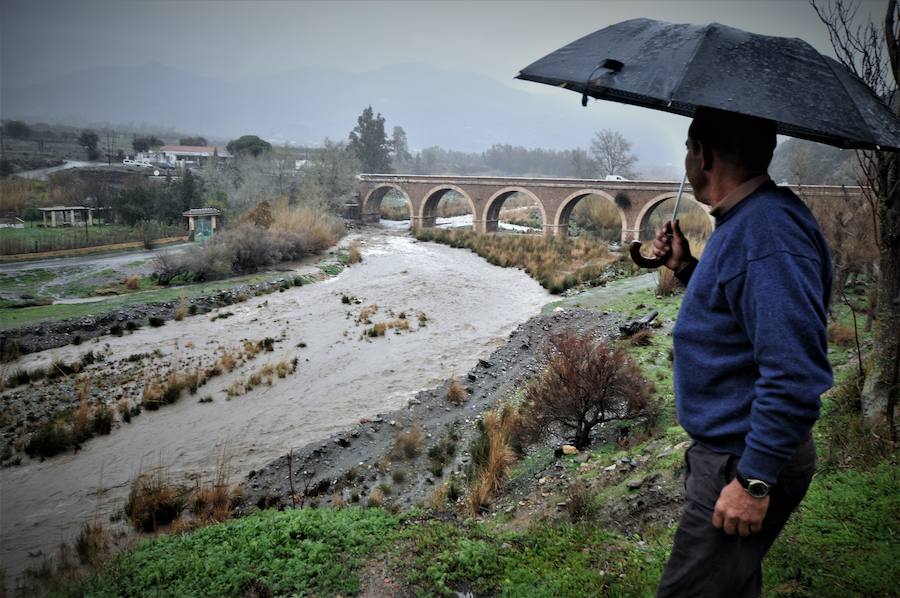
<point x="557" y="263"/>
<point x="493" y="454"/>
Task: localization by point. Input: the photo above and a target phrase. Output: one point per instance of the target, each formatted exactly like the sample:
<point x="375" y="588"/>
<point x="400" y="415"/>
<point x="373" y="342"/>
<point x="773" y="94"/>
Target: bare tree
<point x="872" y="52"/>
<point x="586" y="383"/>
<point x="613" y="153"/>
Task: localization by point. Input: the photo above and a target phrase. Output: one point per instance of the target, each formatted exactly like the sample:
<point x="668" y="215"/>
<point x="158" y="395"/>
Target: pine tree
<point x="370" y="144"/>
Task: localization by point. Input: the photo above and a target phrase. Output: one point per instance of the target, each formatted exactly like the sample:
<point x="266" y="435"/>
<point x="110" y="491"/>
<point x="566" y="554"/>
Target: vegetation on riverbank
<point x="557" y="263"/>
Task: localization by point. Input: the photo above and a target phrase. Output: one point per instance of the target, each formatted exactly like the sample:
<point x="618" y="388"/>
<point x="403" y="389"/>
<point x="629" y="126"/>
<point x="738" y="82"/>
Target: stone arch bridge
<point x="555" y="198"/>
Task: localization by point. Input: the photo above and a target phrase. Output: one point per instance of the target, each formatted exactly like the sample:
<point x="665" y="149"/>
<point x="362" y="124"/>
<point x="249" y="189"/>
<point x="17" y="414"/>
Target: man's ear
<point x="707" y="156"/>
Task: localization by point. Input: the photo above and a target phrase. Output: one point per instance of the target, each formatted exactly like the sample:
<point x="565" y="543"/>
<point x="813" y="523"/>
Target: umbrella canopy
<point x="677" y="67"/>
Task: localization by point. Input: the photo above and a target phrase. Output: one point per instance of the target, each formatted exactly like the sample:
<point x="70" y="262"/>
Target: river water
<point x="471" y="307"/>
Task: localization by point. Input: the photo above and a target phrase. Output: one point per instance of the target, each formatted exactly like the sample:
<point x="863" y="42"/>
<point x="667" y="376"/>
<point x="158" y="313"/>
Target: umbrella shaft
<point x="678" y="197"/>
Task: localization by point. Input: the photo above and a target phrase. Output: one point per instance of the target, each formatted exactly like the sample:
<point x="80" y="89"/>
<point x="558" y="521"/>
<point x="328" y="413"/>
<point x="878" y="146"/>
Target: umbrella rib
<point x="862" y="118"/>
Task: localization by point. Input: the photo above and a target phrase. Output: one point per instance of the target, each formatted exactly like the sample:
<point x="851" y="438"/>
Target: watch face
<point x="758" y="489"/>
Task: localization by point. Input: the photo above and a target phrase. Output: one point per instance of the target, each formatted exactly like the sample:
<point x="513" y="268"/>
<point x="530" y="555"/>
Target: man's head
<point x="727" y="145"/>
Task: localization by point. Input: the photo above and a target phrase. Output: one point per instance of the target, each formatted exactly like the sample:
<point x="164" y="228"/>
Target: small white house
<point x="191" y="154"/>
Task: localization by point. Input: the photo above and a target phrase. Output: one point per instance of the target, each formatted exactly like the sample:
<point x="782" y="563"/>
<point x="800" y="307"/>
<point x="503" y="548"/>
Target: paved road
<point x="95" y="260"/>
<point x="42" y="173"/>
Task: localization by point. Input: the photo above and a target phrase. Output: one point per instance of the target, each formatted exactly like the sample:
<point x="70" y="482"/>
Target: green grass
<point x="294" y="552"/>
<point x="843" y="539"/>
<point x="438" y="558"/>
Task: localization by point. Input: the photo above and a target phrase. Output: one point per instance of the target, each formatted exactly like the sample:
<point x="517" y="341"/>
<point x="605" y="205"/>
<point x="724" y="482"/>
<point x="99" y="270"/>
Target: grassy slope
<point x="842" y="541"/>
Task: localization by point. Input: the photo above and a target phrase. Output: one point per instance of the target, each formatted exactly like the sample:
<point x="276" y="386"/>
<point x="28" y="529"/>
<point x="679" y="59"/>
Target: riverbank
<point x="453" y="314"/>
<point x="594" y="522"/>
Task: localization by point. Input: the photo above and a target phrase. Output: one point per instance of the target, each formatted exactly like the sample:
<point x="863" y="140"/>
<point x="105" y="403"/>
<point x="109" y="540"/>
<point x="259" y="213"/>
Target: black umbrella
<point x="678" y="67"/>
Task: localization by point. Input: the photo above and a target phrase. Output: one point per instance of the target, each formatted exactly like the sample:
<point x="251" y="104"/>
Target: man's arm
<point x="780" y="302"/>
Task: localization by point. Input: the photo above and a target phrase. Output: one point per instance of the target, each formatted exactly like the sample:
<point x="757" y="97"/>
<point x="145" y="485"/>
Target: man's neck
<point x="733" y="190"/>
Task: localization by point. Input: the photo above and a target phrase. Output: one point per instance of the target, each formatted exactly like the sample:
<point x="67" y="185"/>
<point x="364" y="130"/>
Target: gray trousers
<point x="705" y="561"/>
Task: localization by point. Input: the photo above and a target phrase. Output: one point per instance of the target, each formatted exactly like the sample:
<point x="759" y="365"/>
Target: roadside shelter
<point x="202" y="222"/>
<point x="68" y="215"/>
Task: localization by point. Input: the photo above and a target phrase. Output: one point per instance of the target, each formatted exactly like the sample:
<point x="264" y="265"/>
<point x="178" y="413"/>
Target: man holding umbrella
<point x="751" y="357"/>
<point x="750" y="340"/>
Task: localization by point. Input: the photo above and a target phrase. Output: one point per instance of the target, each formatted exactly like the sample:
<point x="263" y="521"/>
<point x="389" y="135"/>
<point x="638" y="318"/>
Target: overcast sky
<point x="233" y="39"/>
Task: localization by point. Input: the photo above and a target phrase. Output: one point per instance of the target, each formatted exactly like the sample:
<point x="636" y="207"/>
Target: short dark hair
<point x="745" y="141"/>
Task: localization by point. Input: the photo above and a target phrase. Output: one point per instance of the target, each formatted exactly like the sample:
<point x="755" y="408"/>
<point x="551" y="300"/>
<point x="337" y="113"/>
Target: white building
<point x="178" y="155"/>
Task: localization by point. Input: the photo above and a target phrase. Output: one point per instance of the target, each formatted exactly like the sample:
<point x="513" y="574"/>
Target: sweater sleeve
<point x="684" y="273"/>
<point x="779" y="301"/>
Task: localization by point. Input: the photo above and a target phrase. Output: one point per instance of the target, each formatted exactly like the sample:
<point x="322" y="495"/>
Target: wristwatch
<point x="755" y="488"/>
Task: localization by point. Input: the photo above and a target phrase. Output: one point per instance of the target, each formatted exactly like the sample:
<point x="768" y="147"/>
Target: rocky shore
<point x="50" y="335"/>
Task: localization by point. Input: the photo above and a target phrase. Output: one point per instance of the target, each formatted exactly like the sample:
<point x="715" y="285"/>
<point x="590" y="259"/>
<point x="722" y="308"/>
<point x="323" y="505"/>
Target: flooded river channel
<point x="342" y="375"/>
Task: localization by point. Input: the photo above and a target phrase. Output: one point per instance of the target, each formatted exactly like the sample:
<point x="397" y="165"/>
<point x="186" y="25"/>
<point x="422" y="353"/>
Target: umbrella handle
<point x="656" y="262"/>
<point x="647" y="262"/>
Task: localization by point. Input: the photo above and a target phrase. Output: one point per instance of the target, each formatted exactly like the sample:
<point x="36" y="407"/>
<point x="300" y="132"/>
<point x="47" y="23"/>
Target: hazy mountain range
<point x="455" y="110"/>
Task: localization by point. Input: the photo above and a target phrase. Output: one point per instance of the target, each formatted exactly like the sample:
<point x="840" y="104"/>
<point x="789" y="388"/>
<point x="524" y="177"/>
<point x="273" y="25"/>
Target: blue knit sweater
<point x="750" y="343"/>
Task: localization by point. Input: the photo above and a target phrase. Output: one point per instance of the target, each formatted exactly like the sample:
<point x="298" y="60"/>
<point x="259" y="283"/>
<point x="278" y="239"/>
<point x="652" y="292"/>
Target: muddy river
<point x="342" y="376"/>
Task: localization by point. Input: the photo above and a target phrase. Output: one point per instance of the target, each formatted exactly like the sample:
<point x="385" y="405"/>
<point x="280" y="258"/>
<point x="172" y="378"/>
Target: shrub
<point x="156" y="321"/>
<point x="153" y="501"/>
<point x="133" y="282"/>
<point x="586" y="383"/>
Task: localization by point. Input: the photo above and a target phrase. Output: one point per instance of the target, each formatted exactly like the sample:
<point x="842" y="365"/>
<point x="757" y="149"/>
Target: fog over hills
<point x="455" y="110"/>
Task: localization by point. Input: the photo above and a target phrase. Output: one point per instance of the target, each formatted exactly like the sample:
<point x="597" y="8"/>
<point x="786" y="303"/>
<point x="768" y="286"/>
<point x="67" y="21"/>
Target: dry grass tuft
<point x="666" y="283"/>
<point x="456" y="394"/>
<point x="642" y="338"/>
<point x="355" y="254"/>
<point x="181" y="310"/>
<point x="493" y="456"/>
<point x="376" y="498"/>
<point x="133" y="282"/>
<point x="408" y="443"/>
<point x="213" y="503"/>
<point x="439" y="498"/>
<point x="840" y="334"/>
<point x="93" y="544"/>
<point x="376" y="330"/>
<point x="153" y="501"/>
<point x="398" y="324"/>
<point x="366" y="313"/>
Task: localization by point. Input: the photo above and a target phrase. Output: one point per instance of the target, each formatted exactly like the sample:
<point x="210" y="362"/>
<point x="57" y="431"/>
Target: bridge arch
<point x="561" y="219"/>
<point x="495" y="203"/>
<point x="371" y="203"/>
<point x="428" y="209"/>
<point x="644" y="215"/>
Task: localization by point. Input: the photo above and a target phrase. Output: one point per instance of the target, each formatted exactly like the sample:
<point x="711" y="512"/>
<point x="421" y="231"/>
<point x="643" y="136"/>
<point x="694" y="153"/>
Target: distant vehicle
<point x="143" y="164"/>
<point x="128" y="162"/>
<point x="614" y="177"/>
